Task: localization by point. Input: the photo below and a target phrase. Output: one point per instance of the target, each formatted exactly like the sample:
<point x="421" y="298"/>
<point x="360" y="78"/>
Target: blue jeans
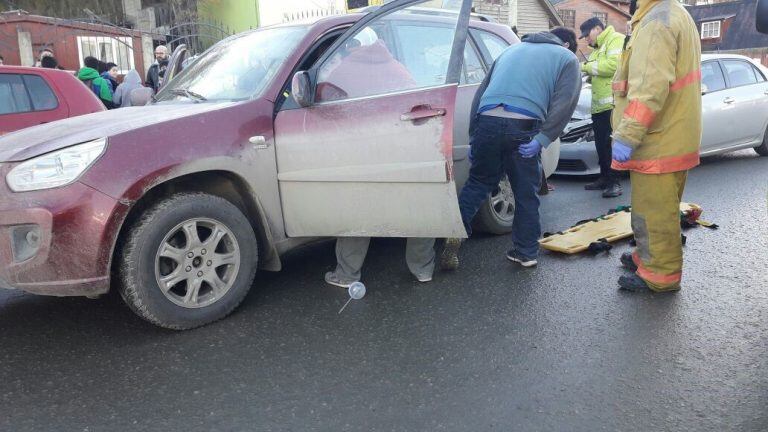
<point x="494" y="151"/>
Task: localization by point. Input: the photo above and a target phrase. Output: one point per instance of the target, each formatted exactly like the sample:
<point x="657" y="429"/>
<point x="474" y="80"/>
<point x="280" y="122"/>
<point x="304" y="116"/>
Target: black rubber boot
<point x="613" y="190"/>
<point x="633" y="283"/>
<point x="627" y="262"/>
<point x="599" y="184"/>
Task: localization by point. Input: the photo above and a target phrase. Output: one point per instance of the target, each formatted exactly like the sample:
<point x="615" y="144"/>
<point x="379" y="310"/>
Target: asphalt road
<point x="490" y="347"/>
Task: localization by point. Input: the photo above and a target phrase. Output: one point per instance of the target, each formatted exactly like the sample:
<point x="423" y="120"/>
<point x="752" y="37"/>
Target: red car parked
<point x="268" y="140"/>
<point x="33" y="96"/>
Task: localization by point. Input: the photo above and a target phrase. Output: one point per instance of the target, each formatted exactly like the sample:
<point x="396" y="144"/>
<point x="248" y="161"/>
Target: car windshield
<point x="235" y="69"/>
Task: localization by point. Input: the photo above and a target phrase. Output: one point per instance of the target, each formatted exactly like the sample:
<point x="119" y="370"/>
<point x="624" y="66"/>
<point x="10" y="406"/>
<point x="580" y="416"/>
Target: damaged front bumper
<point x="57" y="241"/>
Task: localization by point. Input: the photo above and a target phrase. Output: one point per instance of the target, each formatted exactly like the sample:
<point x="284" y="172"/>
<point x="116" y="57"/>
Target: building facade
<point x="23" y="35"/>
<point x="729" y="27"/>
<point x="525" y="16"/>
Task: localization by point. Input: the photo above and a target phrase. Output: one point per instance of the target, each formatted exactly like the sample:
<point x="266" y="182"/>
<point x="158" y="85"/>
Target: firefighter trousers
<point x="656" y="226"/>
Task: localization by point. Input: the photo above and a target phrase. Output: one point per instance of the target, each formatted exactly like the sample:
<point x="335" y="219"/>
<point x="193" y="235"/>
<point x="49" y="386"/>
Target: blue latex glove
<point x="621" y="151"/>
<point x="531" y="149"/>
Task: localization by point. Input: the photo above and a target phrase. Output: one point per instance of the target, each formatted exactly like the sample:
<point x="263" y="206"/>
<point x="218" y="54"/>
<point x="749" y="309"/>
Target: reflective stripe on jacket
<point x="657" y="90"/>
<point x="601" y="66"/>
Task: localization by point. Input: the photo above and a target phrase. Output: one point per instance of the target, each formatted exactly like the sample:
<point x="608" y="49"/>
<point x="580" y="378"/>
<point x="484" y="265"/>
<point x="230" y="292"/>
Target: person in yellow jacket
<point x="657" y="133"/>
<point x="607" y="46"/>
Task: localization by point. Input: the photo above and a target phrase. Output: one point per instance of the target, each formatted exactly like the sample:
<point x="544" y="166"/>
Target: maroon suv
<point x="268" y="140"/>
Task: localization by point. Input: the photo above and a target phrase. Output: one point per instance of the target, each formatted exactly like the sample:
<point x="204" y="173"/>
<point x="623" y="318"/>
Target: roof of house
<point x="20" y="16"/>
<point x="742" y="32"/>
<point x="605" y="3"/>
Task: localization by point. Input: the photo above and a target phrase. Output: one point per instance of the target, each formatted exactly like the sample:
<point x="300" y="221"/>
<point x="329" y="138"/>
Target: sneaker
<point x="334" y="279"/>
<point x="449" y="259"/>
<point x="613" y="190"/>
<point x="424" y="278"/>
<point x="627" y="262"/>
<point x="514" y="256"/>
<point x="598" y="184"/>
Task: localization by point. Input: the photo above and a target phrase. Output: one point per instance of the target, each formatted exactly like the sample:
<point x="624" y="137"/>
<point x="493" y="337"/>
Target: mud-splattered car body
<point x="70" y="240"/>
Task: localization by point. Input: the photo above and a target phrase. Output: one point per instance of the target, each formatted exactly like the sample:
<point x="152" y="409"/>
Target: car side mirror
<point x="301" y="88"/>
<point x="761" y="16"/>
<point x="704" y="89"/>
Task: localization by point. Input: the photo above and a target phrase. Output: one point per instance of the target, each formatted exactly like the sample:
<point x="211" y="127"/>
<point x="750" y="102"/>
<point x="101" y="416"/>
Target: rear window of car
<point x="13" y="95"/>
<point x="740" y="73"/>
<point x="21" y="93"/>
<point x="43" y="98"/>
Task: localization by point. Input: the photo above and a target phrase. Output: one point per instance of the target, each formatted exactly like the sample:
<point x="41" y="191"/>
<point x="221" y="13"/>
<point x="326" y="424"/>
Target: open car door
<point x="366" y="149"/>
<point x="175" y="64"/>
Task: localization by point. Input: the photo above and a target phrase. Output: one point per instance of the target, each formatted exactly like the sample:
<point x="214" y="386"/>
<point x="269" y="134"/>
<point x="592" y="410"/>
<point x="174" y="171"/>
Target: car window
<point x="758" y="74"/>
<point x="425" y="50"/>
<point x="473" y="67"/>
<point x="43" y="98"/>
<point x="237" y="68"/>
<point x="13" y="95"/>
<point x="363" y="65"/>
<point x="739" y="73"/>
<point x="494" y="44"/>
<point x="712" y="76"/>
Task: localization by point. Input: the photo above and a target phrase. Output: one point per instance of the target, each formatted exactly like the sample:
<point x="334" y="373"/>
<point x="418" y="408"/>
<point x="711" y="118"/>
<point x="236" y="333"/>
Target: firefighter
<point x="607" y="45"/>
<point x="657" y="133"/>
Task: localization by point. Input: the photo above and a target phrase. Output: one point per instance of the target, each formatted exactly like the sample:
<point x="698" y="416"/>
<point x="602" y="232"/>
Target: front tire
<point x="189" y="260"/>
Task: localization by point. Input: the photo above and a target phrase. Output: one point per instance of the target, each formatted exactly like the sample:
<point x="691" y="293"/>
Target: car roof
<point x="477" y="21"/>
<point x="35" y="70"/>
<point x="724" y="56"/>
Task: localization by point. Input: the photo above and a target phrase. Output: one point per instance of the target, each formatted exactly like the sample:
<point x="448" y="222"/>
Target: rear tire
<point x="202" y="241"/>
<point x="498" y="212"/>
<point x="762" y="149"/>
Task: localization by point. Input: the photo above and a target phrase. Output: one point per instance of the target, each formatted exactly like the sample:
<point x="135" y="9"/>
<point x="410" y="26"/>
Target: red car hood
<point x="37" y="140"/>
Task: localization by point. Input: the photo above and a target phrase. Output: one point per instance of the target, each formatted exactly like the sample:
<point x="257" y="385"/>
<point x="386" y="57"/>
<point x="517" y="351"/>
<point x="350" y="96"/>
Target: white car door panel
<point x="372" y="156"/>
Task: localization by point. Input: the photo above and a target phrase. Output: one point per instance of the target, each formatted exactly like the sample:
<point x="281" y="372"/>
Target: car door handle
<point x="258" y="142"/>
<point x="422" y="112"/>
<point x="729" y="100"/>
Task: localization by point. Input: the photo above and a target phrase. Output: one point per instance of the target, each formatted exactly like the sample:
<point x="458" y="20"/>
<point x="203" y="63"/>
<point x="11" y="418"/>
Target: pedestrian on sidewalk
<point x="110" y="74"/>
<point x="607" y="45"/>
<point x="122" y="96"/>
<point x="524" y="103"/>
<point x="657" y="88"/>
<point x="89" y="75"/>
<point x="156" y="71"/>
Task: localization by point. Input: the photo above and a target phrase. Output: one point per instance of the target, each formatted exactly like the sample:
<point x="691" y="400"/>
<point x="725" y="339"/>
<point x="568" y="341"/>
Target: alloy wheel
<point x="197" y="262"/>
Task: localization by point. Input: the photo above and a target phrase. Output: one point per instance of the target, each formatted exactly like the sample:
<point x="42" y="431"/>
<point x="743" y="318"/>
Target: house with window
<point x="23" y="35"/>
<point x="729" y="27"/>
<point x="575" y="12"/>
<point x="525" y="16"/>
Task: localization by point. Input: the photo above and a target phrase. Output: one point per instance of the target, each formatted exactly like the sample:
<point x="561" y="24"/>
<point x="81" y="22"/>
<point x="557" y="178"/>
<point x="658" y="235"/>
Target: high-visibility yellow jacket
<point x="657" y="90"/>
<point x="601" y="66"/>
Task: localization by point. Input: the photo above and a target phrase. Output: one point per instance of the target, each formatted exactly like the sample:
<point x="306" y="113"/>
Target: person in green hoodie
<point x="607" y="46"/>
<point x="89" y="75"/>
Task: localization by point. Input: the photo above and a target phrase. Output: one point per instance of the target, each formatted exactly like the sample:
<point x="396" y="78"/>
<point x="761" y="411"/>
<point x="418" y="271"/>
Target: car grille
<point x="580" y="133"/>
<point x="571" y="165"/>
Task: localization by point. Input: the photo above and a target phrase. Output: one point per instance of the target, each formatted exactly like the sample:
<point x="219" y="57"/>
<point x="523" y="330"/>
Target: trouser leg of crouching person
<point x="656" y="225"/>
<point x="351" y="253"/>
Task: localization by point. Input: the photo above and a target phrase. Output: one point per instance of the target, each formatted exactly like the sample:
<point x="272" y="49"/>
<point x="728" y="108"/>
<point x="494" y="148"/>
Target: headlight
<point x="55" y="169"/>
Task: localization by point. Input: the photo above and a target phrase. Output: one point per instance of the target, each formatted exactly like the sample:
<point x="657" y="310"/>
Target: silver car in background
<point x="734" y="115"/>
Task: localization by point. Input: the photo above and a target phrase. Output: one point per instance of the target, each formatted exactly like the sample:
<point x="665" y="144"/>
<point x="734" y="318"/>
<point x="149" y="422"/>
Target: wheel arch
<point x="221" y="183"/>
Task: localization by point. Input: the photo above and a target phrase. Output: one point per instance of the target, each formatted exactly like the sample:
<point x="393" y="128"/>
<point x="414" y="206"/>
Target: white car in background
<point x="734" y="114"/>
